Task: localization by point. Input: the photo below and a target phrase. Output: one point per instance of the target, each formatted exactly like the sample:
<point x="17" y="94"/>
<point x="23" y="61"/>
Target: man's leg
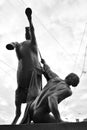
<point x="47" y="118"/>
<point x="42" y="117"/>
<point x="53" y="106"/>
<point x="41" y="114"/>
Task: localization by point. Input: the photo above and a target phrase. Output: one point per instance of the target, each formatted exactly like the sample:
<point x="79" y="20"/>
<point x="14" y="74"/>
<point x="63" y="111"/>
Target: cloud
<point x="3" y="102"/>
<point x="2" y="2"/>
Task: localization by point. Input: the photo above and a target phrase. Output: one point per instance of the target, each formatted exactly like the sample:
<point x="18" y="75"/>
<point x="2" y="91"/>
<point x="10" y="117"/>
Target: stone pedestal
<point x="61" y="126"/>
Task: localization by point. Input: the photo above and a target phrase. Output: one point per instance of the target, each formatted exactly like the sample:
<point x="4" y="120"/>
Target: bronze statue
<point x="52" y="94"/>
<point x="29" y="77"/>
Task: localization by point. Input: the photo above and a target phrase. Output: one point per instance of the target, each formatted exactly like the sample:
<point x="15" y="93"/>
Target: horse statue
<point x="29" y="75"/>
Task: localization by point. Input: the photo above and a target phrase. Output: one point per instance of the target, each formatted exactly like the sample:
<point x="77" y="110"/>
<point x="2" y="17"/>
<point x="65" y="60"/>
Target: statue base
<point x="47" y="126"/>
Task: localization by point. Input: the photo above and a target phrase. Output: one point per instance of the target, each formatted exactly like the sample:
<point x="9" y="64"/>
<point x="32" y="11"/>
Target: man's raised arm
<point x="47" y="72"/>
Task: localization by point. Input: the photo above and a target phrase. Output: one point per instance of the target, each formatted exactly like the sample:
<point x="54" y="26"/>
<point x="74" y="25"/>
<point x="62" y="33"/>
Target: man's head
<point x="27" y="33"/>
<point x="72" y="79"/>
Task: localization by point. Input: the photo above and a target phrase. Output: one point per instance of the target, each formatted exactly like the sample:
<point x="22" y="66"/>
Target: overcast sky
<point x="61" y="31"/>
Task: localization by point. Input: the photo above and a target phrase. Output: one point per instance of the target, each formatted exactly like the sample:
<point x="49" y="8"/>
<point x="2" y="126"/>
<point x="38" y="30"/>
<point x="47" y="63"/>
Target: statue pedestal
<point x="61" y="126"/>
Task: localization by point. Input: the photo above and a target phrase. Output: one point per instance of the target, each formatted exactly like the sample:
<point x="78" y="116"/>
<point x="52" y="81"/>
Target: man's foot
<point x="28" y="13"/>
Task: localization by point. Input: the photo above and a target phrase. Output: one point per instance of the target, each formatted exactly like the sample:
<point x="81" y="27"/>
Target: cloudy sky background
<point x="61" y="31"/>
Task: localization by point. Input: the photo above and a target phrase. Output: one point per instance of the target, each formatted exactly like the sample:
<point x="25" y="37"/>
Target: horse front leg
<point x="18" y="113"/>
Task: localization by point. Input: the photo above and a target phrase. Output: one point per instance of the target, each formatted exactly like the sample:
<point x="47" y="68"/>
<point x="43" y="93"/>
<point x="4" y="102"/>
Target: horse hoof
<point x="28" y="11"/>
<point x="9" y="47"/>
